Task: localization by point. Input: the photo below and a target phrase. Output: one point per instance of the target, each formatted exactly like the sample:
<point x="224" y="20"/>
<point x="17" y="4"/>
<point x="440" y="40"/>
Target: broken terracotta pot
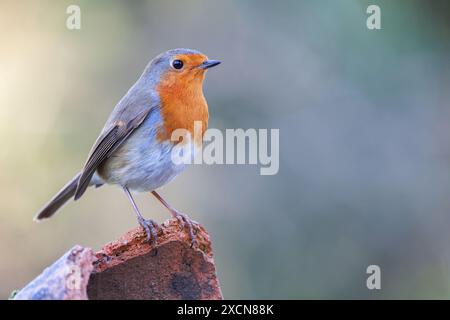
<point x="130" y="268"/>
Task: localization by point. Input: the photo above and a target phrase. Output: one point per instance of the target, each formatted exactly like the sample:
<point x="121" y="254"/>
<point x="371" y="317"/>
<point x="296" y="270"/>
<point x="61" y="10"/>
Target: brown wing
<point x="106" y="144"/>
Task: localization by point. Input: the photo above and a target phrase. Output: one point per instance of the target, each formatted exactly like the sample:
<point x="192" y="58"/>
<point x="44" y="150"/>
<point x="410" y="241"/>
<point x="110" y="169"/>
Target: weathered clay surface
<point x="130" y="268"/>
<point x="66" y="279"/>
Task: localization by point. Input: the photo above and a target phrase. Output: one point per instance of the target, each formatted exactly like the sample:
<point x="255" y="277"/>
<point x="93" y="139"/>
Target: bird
<point x="133" y="150"/>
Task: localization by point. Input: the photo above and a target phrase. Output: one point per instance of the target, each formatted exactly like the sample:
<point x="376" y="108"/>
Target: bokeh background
<point x="365" y="142"/>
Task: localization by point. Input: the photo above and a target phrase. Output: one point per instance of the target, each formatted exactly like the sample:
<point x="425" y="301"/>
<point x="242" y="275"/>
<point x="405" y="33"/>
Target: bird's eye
<point x="177" y="64"/>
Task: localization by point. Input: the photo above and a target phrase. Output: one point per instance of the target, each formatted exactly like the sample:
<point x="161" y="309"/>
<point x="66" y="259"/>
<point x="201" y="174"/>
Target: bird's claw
<point x="150" y="228"/>
<point x="191" y="225"/>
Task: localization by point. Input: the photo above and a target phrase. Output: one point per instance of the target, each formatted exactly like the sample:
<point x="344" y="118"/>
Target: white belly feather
<point x="142" y="163"/>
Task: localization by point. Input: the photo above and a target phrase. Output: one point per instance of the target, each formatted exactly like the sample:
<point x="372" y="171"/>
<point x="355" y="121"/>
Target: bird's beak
<point x="209" y="64"/>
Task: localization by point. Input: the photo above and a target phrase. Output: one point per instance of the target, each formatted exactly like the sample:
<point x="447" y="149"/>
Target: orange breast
<point x="182" y="103"/>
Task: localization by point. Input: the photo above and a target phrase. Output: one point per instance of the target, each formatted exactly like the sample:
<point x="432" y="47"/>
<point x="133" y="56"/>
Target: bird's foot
<point x="150" y="227"/>
<point x="186" y="222"/>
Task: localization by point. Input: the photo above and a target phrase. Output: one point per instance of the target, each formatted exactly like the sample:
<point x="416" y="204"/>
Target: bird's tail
<point x="59" y="199"/>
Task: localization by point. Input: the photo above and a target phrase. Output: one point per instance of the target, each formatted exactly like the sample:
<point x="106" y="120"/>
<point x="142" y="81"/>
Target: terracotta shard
<point x="129" y="268"/>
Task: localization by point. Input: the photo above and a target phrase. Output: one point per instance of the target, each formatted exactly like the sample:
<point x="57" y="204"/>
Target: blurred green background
<point x="365" y="142"/>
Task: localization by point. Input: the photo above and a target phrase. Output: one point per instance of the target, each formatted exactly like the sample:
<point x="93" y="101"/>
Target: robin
<point x="134" y="148"/>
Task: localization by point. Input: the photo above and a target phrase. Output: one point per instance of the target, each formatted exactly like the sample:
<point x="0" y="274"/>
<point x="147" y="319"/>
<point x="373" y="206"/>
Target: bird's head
<point x="180" y="67"/>
<point x="177" y="77"/>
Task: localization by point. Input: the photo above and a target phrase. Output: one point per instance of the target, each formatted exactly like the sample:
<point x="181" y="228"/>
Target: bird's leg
<point x="148" y="224"/>
<point x="184" y="220"/>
